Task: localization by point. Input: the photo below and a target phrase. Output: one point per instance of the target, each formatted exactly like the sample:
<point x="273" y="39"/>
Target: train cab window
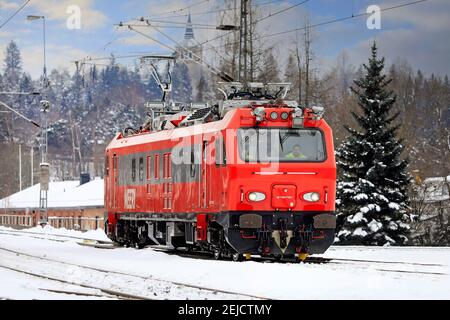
<point x="133" y="170"/>
<point x="141" y="169"/>
<point x="156" y="166"/>
<point x="149" y="167"/>
<point x="281" y="145"/>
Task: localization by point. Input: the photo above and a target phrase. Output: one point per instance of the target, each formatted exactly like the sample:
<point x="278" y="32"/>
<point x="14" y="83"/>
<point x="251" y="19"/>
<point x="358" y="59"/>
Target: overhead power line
<point x="319" y="24"/>
<point x="165" y="25"/>
<point x="353" y="16"/>
<point x="15" y="13"/>
<point x="256" y="21"/>
<point x="179" y="10"/>
<point x="220" y="10"/>
<point x="281" y="11"/>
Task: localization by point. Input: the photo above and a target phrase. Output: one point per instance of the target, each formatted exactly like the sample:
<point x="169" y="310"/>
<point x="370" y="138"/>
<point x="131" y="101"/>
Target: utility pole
<point x="32" y="165"/>
<point x="44" y="166"/>
<point x="250" y="41"/>
<point x="43" y="145"/>
<point x="20" y="167"/>
<point x="307" y="61"/>
<point x="243" y="43"/>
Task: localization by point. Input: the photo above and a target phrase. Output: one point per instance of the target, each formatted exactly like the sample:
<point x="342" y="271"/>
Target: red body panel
<point x="221" y="188"/>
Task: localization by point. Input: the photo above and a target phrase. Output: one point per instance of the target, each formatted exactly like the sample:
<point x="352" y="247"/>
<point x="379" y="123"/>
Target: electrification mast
<point x="43" y="141"/>
<point x="243" y="43"/>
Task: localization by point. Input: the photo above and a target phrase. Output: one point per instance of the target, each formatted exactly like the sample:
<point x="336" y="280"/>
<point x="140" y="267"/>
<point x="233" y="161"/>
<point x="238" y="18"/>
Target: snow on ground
<point x="98" y="234"/>
<point x="409" y="273"/>
<point x="18" y="286"/>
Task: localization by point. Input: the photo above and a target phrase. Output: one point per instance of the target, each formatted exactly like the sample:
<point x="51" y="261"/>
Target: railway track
<point x="157" y="288"/>
<point x="407" y="267"/>
<point x="360" y="263"/>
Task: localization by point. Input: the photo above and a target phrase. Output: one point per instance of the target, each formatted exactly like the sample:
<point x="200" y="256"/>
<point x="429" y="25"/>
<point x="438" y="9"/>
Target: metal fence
<point x="76" y="223"/>
<point x="17" y="220"/>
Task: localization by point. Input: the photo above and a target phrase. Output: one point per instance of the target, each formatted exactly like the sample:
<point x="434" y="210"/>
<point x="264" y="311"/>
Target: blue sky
<point x="418" y="33"/>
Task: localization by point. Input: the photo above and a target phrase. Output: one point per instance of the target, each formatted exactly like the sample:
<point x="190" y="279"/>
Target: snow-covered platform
<point x="349" y="273"/>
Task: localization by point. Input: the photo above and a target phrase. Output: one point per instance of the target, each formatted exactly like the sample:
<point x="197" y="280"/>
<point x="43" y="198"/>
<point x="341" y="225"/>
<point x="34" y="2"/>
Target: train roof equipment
<point x="163" y="115"/>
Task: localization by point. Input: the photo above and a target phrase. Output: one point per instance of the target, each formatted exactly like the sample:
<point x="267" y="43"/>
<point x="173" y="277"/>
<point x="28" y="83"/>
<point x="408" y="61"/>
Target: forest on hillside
<point x="90" y="107"/>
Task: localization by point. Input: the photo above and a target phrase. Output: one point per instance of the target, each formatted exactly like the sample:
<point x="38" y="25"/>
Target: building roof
<point x="189" y="34"/>
<point x="189" y="38"/>
<point x="65" y="194"/>
<point x="436" y="189"/>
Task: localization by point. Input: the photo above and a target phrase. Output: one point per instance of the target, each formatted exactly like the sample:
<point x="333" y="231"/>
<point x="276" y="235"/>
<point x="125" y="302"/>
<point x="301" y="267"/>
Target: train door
<point x="205" y="179"/>
<point x="107" y="186"/>
<point x="115" y="180"/>
<point x="149" y="184"/>
<point x="217" y="175"/>
<point x="167" y="183"/>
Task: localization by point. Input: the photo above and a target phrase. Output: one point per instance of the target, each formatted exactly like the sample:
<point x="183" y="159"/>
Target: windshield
<point x="281" y="145"/>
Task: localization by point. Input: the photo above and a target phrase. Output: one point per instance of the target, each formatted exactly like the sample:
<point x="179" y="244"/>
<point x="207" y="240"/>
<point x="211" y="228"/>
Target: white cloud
<point x="8" y="5"/>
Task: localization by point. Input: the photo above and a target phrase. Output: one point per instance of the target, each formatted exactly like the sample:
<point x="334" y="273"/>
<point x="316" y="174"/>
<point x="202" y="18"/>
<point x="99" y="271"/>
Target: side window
<point x="156" y="166"/>
<point x="167" y="166"/>
<point x="193" y="162"/>
<point x="224" y="153"/>
<point x="218" y="147"/>
<point x="133" y="170"/>
<point x="149" y="167"/>
<point x="107" y="166"/>
<point x="141" y="169"/>
<point x="221" y="156"/>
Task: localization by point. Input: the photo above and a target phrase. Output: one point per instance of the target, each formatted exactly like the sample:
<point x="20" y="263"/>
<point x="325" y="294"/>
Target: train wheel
<point x="237" y="257"/>
<point x="277" y="257"/>
<point x="217" y="254"/>
<point x="141" y="244"/>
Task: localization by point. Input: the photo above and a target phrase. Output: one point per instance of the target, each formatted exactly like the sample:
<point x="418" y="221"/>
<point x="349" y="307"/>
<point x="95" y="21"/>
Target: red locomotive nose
<point x="284" y="197"/>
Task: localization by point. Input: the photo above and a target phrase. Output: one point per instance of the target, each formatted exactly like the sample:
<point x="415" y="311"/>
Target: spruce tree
<point x="372" y="192"/>
<point x="13" y="66"/>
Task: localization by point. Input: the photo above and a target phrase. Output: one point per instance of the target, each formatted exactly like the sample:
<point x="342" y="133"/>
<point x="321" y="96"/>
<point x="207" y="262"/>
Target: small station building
<point x="71" y="205"/>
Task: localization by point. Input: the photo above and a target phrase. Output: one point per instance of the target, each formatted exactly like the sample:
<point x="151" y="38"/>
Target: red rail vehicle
<point x="251" y="175"/>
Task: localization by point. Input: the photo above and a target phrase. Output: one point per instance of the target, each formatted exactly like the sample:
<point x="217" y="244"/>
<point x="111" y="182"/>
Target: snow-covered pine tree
<point x="372" y="193"/>
<point x="13" y="66"/>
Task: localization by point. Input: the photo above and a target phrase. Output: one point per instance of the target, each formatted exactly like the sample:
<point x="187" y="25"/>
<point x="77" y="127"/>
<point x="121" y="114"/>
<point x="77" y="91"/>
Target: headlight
<point x="274" y="115"/>
<point x="256" y="196"/>
<point x="312" y="197"/>
<point x="285" y="116"/>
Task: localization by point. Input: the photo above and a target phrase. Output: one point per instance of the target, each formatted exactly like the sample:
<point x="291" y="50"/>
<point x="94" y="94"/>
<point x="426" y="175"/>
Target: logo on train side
<point x="130" y="199"/>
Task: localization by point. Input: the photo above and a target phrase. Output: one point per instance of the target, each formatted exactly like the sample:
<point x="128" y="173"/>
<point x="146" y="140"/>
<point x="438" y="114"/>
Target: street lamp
<point x="34" y="18"/>
<point x="43" y="146"/>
